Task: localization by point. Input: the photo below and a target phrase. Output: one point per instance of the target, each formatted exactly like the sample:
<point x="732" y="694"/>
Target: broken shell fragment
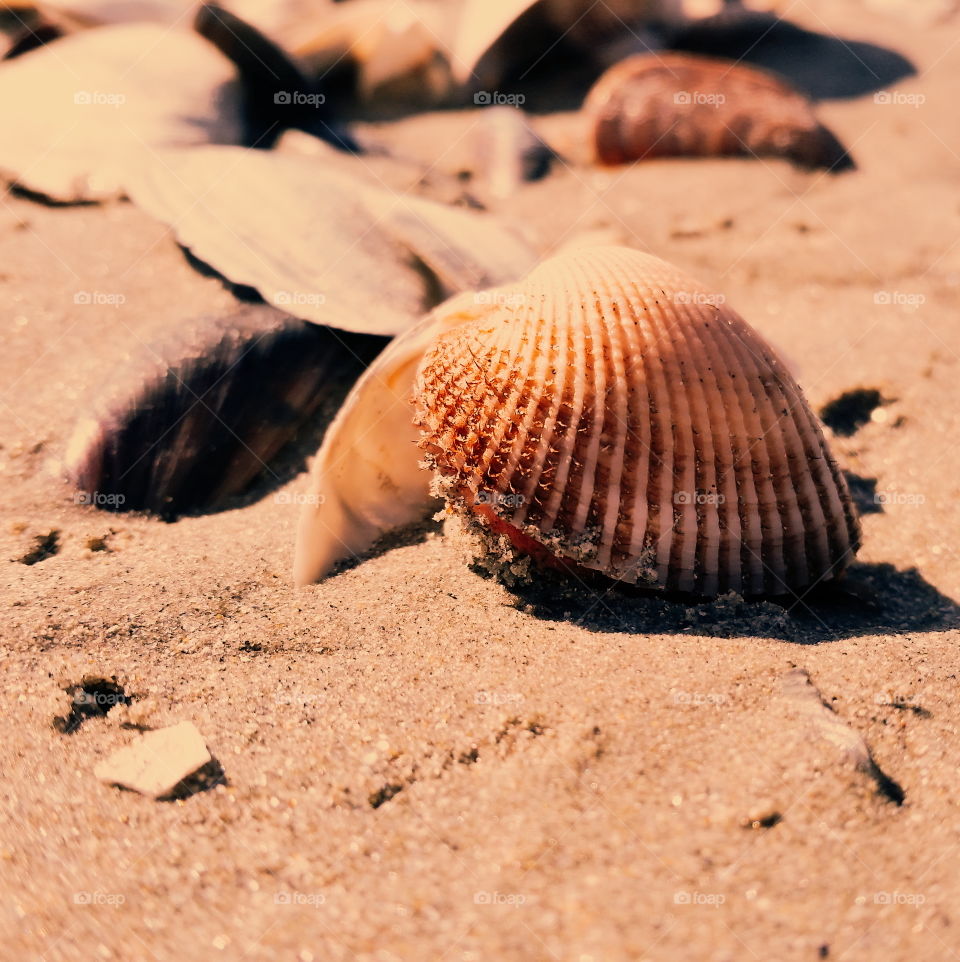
<point x="619" y="414"/>
<point x="674" y="105"/>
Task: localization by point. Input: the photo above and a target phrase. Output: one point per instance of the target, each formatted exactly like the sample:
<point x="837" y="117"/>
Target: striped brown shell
<point x="676" y="105"/>
<point x="616" y="411"/>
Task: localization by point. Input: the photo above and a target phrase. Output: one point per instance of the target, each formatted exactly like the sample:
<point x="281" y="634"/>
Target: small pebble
<point x="154" y="763"/>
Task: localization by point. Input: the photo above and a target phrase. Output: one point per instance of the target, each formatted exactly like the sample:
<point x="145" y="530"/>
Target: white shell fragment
<point x="611" y="411"/>
<point x="320" y="244"/>
<point x="156" y="762"/>
<point x="365" y="479"/>
<point x="80" y="113"/>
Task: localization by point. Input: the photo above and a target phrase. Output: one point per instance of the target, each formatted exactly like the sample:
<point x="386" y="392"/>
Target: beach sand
<point x="419" y="764"/>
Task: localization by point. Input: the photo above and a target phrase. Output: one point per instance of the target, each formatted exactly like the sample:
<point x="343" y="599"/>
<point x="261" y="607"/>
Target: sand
<point x="417" y="763"/>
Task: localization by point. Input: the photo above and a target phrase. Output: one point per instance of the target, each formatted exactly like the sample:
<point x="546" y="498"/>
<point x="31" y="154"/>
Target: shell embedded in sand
<point x="616" y="411"/>
<point x="192" y="422"/>
<point x="663" y="105"/>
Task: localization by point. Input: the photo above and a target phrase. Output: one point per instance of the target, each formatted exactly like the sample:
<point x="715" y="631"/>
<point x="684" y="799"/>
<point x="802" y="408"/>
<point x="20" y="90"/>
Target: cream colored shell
<point x="619" y="412"/>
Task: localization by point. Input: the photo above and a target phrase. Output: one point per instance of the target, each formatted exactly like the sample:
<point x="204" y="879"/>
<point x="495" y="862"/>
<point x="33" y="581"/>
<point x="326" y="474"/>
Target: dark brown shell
<point x="674" y="105"/>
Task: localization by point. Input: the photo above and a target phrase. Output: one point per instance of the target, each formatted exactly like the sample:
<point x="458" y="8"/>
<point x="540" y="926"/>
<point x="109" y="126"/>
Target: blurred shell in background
<point x="80" y="112"/>
<point x="397" y="48"/>
<point x="668" y="105"/>
<point x="322" y="244"/>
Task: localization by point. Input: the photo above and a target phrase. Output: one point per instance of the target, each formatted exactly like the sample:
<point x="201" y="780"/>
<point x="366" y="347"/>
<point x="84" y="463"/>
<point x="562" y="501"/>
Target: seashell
<point x="79" y="113"/>
<point x="617" y="414"/>
<point x="195" y="422"/>
<point x="608" y="410"/>
<point x="322" y="244"/>
<point x="673" y="105"/>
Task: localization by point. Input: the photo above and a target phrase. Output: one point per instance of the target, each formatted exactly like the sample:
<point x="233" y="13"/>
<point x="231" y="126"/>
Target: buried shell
<point x="190" y="423"/>
<point x="614" y="410"/>
<point x="670" y="105"/>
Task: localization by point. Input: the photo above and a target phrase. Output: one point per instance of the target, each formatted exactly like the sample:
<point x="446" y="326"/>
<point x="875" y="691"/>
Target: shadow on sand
<point x="821" y="65"/>
<point x="869" y="599"/>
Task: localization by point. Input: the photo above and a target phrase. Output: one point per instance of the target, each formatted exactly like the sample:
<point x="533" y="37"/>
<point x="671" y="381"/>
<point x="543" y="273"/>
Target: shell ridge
<point x="749" y="491"/>
<point x="486" y="413"/>
<point x="619" y="483"/>
<point x="659" y="461"/>
<point x="717" y="431"/>
<point x="535" y="362"/>
<point x="833" y="495"/>
<point x="730" y="574"/>
<point x="614" y="424"/>
<point x="548" y="454"/>
<point x="596" y="342"/>
<point x="556" y="365"/>
<point x="743" y="515"/>
<point x="769" y="551"/>
<point x="833" y="488"/>
<point x="792" y="550"/>
<point x="490" y="402"/>
<point x="677" y="416"/>
<point x="829" y="499"/>
<point x="566" y="458"/>
<point x="683" y="324"/>
<point x="683" y="509"/>
<point x="714" y="436"/>
<point x="639" y="408"/>
<point x="817" y="553"/>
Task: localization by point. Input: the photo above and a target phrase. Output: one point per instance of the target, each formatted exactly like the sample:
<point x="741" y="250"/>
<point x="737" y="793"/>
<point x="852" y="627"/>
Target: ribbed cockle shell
<point x="619" y="413"/>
